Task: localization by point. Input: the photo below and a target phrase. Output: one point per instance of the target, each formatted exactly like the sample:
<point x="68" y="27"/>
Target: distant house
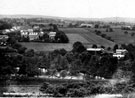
<point x="33" y="36"/>
<point x="87" y="25"/>
<point x="120" y="53"/>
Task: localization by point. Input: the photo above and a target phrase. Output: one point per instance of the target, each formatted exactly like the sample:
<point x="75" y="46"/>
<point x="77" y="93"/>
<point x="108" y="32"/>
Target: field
<point x="74" y="34"/>
<point x="87" y="35"/>
<point x="46" y="46"/>
<point x="118" y="35"/>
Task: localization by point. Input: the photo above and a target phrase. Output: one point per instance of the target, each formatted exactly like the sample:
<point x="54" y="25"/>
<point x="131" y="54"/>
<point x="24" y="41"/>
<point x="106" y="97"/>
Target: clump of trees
<point x="109" y="30"/>
<point x="4" y="25"/>
<point x="74" y="89"/>
<point x="61" y="37"/>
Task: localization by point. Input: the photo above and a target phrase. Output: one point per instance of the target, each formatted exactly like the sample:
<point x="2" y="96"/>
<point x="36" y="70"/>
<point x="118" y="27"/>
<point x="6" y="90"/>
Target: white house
<point x="120" y="53"/>
<point x="52" y="35"/>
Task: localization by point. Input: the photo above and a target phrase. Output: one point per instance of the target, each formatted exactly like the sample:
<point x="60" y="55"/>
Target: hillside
<point x="89" y="36"/>
<point x="106" y="19"/>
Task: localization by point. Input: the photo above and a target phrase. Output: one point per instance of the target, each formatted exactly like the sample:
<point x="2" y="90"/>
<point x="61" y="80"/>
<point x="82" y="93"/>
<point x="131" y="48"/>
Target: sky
<point x="70" y="8"/>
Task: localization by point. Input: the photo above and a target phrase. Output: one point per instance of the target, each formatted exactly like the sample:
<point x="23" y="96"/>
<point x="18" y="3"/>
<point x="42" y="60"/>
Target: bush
<point x="126" y="32"/>
<point x="75" y="89"/>
<point x="103" y="35"/>
<point x="124" y="88"/>
<point x="98" y="32"/>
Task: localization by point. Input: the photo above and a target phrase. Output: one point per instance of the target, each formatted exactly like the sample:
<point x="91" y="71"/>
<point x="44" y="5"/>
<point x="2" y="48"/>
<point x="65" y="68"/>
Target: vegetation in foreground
<point x="70" y="63"/>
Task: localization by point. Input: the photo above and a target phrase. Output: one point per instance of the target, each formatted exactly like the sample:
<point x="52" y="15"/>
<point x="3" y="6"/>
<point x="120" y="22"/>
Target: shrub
<point x="126" y="32"/>
<point x="103" y="35"/>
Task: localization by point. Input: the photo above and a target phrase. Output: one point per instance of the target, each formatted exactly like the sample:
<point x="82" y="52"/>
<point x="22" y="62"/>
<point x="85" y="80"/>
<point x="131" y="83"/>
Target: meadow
<point x="83" y="35"/>
<point x="89" y="36"/>
<point x="118" y="35"/>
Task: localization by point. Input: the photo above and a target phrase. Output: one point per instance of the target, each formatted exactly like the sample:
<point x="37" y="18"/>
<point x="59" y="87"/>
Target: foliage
<point x="61" y="37"/>
<point x="78" y="47"/>
<point x="5" y="25"/>
<point x="74" y="89"/>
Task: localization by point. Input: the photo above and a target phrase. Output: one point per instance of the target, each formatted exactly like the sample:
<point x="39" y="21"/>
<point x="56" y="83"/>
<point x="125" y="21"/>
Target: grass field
<point x="74" y="34"/>
<point x="46" y="46"/>
<point x="87" y="35"/>
<point x="118" y="36"/>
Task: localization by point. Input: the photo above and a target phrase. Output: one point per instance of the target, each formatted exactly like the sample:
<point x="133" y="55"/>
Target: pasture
<point x="118" y="35"/>
<point x="46" y="46"/>
<point x="89" y="36"/>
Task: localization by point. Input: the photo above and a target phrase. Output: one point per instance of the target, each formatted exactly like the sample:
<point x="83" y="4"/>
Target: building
<point x="86" y="25"/>
<point x="95" y="51"/>
<point x="33" y="35"/>
<point x="120" y="53"/>
<point x="52" y="35"/>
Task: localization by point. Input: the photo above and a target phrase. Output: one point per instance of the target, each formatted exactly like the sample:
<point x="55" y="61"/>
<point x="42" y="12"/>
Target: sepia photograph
<point x="67" y="48"/>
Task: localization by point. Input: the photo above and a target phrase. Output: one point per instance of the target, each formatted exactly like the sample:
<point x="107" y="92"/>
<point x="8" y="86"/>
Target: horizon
<point x="69" y="9"/>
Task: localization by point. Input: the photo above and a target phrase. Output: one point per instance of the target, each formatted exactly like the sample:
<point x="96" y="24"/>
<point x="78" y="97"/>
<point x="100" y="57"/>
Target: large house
<point x="120" y="53"/>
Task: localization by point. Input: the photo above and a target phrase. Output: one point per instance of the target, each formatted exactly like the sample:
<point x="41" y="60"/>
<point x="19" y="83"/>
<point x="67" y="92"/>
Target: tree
<point x="5" y="25"/>
<point x="94" y="46"/>
<point x="103" y="35"/>
<point x="115" y="47"/>
<point x="109" y="48"/>
<point x="126" y="32"/>
<point x="63" y="73"/>
<point x="78" y="47"/>
<point x="29" y="66"/>
<point x="61" y="37"/>
<point x="132" y="34"/>
<point x="96" y="26"/>
<point x="98" y="32"/>
<point x="63" y="51"/>
<point x="29" y="53"/>
<point x="102" y="47"/>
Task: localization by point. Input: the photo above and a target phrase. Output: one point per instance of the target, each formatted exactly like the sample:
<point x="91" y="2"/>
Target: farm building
<point x="95" y="51"/>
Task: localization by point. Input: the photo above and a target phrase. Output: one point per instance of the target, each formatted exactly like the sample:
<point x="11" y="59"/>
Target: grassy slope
<point x="118" y="36"/>
<point x="74" y="34"/>
<point x="89" y="36"/>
